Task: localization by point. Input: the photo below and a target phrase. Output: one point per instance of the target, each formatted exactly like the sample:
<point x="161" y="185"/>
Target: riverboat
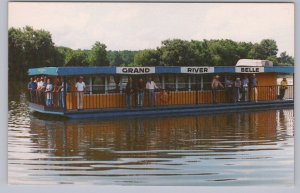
<point x="178" y="90"/>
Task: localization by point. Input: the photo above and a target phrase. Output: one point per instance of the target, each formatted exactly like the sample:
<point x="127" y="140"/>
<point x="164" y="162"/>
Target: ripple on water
<point x="214" y="150"/>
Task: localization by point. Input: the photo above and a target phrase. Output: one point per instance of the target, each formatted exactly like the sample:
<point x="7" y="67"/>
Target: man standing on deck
<point x="32" y="86"/>
<point x="229" y="89"/>
<point x="140" y="92"/>
<point x="151" y="86"/>
<point x="80" y="86"/>
<point x="129" y="90"/>
<point x="245" y="90"/>
<point x="215" y="84"/>
<point x="283" y="87"/>
<point x="63" y="91"/>
<point x="253" y="84"/>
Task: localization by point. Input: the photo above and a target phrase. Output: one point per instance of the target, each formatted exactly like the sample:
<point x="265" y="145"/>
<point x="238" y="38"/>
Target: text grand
<point x="136" y="70"/>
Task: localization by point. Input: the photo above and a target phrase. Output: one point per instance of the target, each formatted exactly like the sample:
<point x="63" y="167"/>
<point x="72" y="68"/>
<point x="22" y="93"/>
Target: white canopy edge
<point x="250" y="62"/>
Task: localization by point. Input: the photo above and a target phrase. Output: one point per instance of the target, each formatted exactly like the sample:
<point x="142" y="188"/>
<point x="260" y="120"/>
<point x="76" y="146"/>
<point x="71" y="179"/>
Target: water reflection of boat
<point x="94" y="138"/>
<point x="182" y="90"/>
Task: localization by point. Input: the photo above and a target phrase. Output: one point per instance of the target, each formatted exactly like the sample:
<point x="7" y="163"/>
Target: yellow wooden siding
<point x="266" y="91"/>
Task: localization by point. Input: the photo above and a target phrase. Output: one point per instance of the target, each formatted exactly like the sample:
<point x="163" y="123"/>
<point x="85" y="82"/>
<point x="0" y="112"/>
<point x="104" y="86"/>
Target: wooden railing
<point x="162" y="98"/>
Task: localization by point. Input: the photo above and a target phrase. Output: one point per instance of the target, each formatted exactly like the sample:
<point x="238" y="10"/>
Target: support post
<point x="106" y="84"/>
<point x="163" y="81"/>
<point x="201" y="83"/>
<point x="189" y="86"/>
<point x="90" y="85"/>
<point x="176" y="82"/>
<point x="121" y="84"/>
<point x="65" y="94"/>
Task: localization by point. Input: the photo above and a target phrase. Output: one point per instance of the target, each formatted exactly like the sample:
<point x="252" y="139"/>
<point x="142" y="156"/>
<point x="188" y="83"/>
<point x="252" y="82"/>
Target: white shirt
<point x="49" y="88"/>
<point x="151" y="85"/>
<point x="80" y="86"/>
<point x="40" y="84"/>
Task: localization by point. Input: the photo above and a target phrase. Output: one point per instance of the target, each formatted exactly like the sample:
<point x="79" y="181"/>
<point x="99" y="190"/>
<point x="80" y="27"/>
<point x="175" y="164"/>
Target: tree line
<point x="29" y="48"/>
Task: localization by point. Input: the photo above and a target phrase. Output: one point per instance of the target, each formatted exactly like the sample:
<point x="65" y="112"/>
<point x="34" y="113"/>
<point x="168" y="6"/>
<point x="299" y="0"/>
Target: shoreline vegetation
<point x="30" y="48"/>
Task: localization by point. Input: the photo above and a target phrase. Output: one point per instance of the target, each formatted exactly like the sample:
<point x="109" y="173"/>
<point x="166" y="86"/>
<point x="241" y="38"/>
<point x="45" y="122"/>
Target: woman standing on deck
<point x="80" y="86"/>
<point x="49" y="94"/>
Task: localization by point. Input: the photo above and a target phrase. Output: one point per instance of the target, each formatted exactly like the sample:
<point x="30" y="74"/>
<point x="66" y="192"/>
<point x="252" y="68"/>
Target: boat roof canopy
<point x="75" y="71"/>
<point x="250" y="62"/>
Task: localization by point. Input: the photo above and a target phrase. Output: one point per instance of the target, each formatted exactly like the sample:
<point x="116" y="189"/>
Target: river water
<point x="243" y="148"/>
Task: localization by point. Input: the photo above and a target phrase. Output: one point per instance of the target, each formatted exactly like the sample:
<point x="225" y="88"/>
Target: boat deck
<point x="164" y="110"/>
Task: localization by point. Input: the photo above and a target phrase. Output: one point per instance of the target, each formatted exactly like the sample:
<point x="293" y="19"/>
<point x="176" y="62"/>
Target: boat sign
<point x="197" y="70"/>
<point x="135" y="70"/>
<point x="249" y="69"/>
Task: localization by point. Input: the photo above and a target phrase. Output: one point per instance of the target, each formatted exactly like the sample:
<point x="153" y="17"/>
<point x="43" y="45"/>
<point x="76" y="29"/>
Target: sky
<point x="137" y="26"/>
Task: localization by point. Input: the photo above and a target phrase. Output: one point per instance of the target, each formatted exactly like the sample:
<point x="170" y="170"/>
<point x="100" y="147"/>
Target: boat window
<point x="98" y="85"/>
<point x="170" y="82"/>
<point x="183" y="82"/>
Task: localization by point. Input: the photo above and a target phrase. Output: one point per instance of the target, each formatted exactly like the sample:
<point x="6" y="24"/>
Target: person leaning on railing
<point x="283" y="87"/>
<point x="215" y="85"/>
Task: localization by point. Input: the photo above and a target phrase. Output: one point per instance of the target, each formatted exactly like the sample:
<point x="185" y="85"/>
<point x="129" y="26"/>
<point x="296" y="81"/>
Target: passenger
<point x="253" y="91"/>
<point x="245" y="90"/>
<point x="43" y="90"/>
<point x="40" y="90"/>
<point x="229" y="89"/>
<point x="237" y="87"/>
<point x="140" y="92"/>
<point x="62" y="92"/>
<point x="49" y="94"/>
<point x="283" y="87"/>
<point x="215" y="85"/>
<point x="55" y="94"/>
<point x="164" y="97"/>
<point x="32" y="86"/>
<point x="129" y="90"/>
<point x="151" y="86"/>
<point x="58" y="84"/>
<point x="80" y="87"/>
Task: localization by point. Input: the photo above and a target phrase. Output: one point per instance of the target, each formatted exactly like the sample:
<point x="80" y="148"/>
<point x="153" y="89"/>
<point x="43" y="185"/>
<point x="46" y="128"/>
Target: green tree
<point x="273" y="59"/>
<point x="264" y="49"/>
<point x="285" y="59"/>
<point x="128" y="56"/>
<point x="148" y="57"/>
<point x="115" y="58"/>
<point x="29" y="48"/>
<point x="76" y="58"/>
<point x="224" y="52"/>
<point x="176" y="52"/>
<point x="98" y="55"/>
<point x="201" y="55"/>
<point x="243" y="49"/>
